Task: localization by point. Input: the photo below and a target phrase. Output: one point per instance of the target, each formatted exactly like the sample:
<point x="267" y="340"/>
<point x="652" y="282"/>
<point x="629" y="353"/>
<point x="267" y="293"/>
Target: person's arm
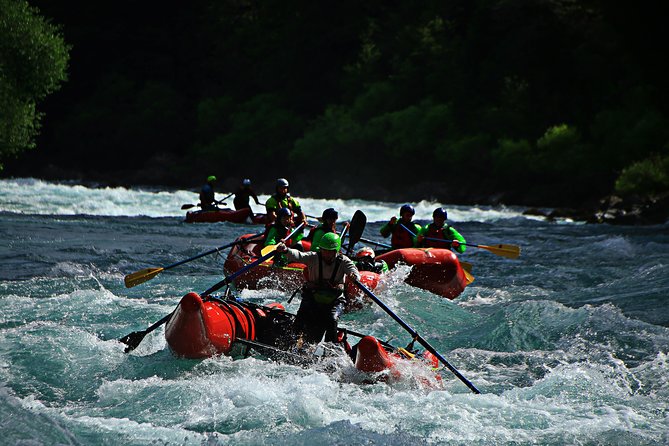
<point x="457" y="240"/>
<point x="255" y="197"/>
<point x="417" y="238"/>
<point x="387" y="229"/>
<point x="350" y="269"/>
<point x="293" y="255"/>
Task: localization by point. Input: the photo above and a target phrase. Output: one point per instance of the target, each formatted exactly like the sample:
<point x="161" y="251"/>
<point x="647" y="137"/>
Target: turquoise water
<point x="568" y="344"/>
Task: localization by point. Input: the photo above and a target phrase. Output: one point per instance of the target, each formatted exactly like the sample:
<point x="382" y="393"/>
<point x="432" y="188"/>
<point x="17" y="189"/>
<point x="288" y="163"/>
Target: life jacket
<point x="442" y="233"/>
<point x="400" y="237"/>
<point x="289" y="202"/>
<point x="326" y="291"/>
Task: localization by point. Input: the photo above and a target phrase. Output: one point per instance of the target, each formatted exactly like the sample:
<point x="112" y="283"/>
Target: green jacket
<point x="273" y="203"/>
<point x="319" y="232"/>
<point x="277" y="233"/>
<point x="446" y="233"/>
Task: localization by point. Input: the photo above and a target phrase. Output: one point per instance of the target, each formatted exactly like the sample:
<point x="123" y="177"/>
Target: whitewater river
<point x="568" y="344"/>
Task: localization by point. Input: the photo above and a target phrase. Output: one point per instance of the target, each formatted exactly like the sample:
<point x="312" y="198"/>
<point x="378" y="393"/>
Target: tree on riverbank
<point x="33" y="63"/>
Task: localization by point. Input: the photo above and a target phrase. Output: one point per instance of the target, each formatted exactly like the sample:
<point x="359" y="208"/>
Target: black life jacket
<point x="326" y="291"/>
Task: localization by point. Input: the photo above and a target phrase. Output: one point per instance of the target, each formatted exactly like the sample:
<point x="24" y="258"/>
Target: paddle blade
<point x="187" y="206"/>
<point x="467" y="269"/>
<point x="133" y="340"/>
<point x="267" y="249"/>
<point x="356" y="229"/>
<point x="141" y="276"/>
<point x="508" y="251"/>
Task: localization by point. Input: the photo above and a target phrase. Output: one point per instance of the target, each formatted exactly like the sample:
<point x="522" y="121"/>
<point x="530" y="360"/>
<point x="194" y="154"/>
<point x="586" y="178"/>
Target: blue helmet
<point x="407" y="208"/>
<point x="440" y="212"/>
<point x="283" y="212"/>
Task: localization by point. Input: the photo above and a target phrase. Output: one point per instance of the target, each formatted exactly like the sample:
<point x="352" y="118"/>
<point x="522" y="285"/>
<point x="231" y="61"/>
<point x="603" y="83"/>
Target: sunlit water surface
<point x="568" y="344"/>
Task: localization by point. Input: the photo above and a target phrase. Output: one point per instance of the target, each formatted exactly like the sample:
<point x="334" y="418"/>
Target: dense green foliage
<point x="33" y="61"/>
<point x="536" y="101"/>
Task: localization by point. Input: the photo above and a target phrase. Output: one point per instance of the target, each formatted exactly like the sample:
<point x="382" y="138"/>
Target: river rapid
<point x="568" y="344"/>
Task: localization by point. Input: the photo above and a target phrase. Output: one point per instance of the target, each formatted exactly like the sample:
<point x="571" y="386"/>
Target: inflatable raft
<point x="201" y="328"/>
<point x="240" y="216"/>
<point x="432" y="269"/>
<point x="285" y="278"/>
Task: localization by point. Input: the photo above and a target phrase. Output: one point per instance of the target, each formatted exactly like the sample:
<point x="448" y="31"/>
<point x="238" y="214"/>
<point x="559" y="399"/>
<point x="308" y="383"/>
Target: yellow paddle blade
<point x="141" y="276"/>
<point x="467" y="268"/>
<point x="509" y="251"/>
<point x="267" y="249"/>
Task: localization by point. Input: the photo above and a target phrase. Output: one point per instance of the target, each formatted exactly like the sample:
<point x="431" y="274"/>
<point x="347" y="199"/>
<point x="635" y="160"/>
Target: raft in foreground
<point x="203" y="328"/>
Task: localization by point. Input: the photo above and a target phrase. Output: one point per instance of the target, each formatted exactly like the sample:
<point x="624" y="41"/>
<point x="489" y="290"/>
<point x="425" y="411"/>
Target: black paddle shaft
<point x="417" y="337"/>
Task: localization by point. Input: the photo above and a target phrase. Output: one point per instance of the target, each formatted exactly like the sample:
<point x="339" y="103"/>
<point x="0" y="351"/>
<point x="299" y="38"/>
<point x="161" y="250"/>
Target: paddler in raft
<point x="243" y="195"/>
<point x="323" y="299"/>
<point x="207" y="200"/>
<point x="401" y="238"/>
<point x="364" y="261"/>
<point x="280" y="230"/>
<point x="329" y="221"/>
<point x="431" y="235"/>
<point x="282" y="199"/>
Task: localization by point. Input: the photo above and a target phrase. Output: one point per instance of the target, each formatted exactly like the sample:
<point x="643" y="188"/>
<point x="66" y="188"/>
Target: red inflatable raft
<point x="284" y="278"/>
<point x="240" y="216"/>
<point x="203" y="328"/>
<point x="432" y="269"/>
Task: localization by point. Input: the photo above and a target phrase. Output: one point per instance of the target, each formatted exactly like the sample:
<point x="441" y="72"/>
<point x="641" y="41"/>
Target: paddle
<point x="509" y="251"/>
<point x="221" y="202"/>
<point x="270" y="248"/>
<point x="357" y="227"/>
<point x="147" y="274"/>
<point x="133" y="339"/>
<point x="257" y="262"/>
<point x="467" y="269"/>
<point x="417" y="337"/>
<point x="382" y="245"/>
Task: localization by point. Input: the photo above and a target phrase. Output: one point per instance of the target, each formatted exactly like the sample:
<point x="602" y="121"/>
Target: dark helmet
<point x="330" y="214"/>
<point x="407" y="208"/>
<point x="283" y="212"/>
<point x="246" y="182"/>
<point x="282" y="182"/>
<point x="440" y="212"/>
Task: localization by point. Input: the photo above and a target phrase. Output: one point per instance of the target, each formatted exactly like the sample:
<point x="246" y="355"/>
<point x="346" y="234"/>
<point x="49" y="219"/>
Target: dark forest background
<point x="535" y="102"/>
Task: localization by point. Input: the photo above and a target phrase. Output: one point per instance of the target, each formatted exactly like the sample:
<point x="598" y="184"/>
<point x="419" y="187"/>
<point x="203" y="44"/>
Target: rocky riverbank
<point x="616" y="210"/>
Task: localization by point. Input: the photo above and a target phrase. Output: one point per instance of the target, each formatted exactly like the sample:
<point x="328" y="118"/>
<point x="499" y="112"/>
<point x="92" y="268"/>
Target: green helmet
<point x="211" y="179"/>
<point x="330" y="242"/>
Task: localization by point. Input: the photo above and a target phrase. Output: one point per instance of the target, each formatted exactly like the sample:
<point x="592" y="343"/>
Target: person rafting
<point x="242" y="196"/>
<point x="329" y="221"/>
<point x="279" y="230"/>
<point x="404" y="231"/>
<point x="282" y="199"/>
<point x="439" y="234"/>
<point x="365" y="261"/>
<point x="323" y="299"/>
<point x="207" y="200"/>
